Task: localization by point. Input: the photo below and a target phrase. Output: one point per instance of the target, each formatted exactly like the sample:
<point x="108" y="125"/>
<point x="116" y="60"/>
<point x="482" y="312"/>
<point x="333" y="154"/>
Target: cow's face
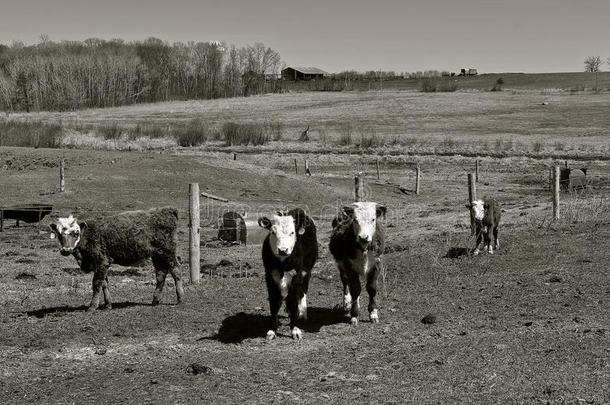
<point x="68" y="232"/>
<point x="478" y="209"/>
<point x="282" y="233"/>
<point x="364" y="220"/>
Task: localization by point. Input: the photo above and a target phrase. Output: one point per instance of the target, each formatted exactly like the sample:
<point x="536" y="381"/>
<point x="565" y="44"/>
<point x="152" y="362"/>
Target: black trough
<point x="28" y="213"/>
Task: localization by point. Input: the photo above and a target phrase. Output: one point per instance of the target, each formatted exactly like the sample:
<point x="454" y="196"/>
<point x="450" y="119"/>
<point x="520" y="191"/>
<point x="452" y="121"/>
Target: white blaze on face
<point x="283" y="235"/>
<point x="68" y="232"/>
<point x="478" y="209"/>
<point x="365" y="219"/>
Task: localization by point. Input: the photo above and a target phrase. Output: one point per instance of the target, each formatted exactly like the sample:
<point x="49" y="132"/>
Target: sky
<point x="336" y="35"/>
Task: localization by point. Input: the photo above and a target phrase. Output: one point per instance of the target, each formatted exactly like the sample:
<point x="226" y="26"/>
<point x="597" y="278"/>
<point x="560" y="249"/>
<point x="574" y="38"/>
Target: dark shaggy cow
<point x="124" y="239"/>
<point x="486" y="213"/>
<point x="357" y="244"/>
<point x="289" y="253"/>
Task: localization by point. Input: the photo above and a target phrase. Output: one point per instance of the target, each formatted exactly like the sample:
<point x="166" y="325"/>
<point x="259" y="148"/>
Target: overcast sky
<point x="334" y="35"/>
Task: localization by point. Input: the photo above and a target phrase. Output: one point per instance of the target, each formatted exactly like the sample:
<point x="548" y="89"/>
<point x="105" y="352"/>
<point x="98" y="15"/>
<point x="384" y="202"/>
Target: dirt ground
<point x="528" y="324"/>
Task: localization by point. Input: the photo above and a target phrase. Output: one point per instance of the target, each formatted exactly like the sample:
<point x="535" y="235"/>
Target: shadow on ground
<point x="58" y="311"/>
<point x="456" y="252"/>
<point x="236" y="328"/>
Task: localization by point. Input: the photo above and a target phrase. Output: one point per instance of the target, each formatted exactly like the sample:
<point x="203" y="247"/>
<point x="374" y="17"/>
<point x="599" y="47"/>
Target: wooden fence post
<point x="377" y="163"/>
<point x="296" y="167"/>
<point x="194" y="238"/>
<point x="551" y="174"/>
<point x="417" y="179"/>
<point x="62" y="178"/>
<point x="234" y="156"/>
<point x="476" y="171"/>
<point x="358" y="186"/>
<point x="307" y="172"/>
<point x="556" y="193"/>
<point x="472" y="195"/>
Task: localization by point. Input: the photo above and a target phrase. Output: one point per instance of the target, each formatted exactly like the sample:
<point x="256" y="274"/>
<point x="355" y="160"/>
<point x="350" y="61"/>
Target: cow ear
<point x="53" y="227"/>
<point x="381" y="211"/>
<point x="83" y="225"/>
<point x="264" y="222"/>
<point x="347" y="211"/>
<point x="469" y="206"/>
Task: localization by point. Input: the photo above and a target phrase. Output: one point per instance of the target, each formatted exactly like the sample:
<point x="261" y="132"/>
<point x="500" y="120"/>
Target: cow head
<point x="68" y="232"/>
<point x="478" y="209"/>
<point x="283" y="230"/>
<point x="363" y="216"/>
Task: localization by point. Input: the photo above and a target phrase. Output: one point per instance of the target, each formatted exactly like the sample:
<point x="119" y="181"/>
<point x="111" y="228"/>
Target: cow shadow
<point x="241" y="326"/>
<point x="64" y="309"/>
<point x="456" y="252"/>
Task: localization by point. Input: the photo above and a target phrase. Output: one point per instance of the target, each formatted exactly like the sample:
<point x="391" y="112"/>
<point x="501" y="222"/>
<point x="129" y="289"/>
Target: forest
<point x="71" y="75"/>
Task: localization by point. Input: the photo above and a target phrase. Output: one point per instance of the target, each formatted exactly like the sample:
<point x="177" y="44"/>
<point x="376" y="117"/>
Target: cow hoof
<point x="354" y="321"/>
<point x="490" y="251"/>
<point x="270" y="335"/>
<point x="297" y="333"/>
<point x="374" y="316"/>
<point x="476" y="252"/>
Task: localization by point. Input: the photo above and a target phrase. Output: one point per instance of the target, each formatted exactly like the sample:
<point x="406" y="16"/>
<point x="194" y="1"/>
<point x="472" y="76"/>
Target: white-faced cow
<point x="124" y="239"/>
<point x="486" y="214"/>
<point x="357" y="244"/>
<point x="289" y="252"/>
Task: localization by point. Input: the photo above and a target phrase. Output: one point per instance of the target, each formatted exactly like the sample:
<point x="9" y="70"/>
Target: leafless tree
<point x="593" y="64"/>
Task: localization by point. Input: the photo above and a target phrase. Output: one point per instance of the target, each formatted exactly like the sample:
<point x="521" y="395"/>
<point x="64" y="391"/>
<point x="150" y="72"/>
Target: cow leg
<point x="354" y="288"/>
<point x="161" y="268"/>
<point x="275" y="302"/>
<point x="177" y="276"/>
<point x="347" y="297"/>
<point x="479" y="234"/>
<point x="99" y="277"/>
<point x="293" y="301"/>
<point x="496" y="240"/>
<point x="488" y="235"/>
<point x="371" y="289"/>
<point x="106" y="291"/>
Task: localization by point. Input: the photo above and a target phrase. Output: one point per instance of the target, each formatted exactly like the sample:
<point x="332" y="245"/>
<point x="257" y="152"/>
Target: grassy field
<point x="508" y="123"/>
<point x="528" y="324"/>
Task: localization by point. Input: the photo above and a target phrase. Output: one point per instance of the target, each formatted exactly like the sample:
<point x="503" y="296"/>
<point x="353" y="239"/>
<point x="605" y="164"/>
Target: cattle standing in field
<point x="124" y="239"/>
<point x="486" y="213"/>
<point x="289" y="253"/>
<point x="357" y="244"/>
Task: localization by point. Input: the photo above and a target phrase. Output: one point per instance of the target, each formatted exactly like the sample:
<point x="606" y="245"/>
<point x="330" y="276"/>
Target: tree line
<point x="70" y="75"/>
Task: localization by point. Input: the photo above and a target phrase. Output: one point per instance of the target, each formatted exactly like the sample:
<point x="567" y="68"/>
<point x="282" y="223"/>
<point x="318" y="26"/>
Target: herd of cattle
<point x="289" y="252"/>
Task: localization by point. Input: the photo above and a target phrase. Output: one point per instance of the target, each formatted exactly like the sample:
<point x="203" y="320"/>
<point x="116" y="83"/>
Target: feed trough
<point x="28" y="213"/>
<point x="236" y="227"/>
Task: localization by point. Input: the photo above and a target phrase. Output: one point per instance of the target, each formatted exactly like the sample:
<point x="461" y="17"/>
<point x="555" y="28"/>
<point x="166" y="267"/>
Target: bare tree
<point x="593" y="65"/>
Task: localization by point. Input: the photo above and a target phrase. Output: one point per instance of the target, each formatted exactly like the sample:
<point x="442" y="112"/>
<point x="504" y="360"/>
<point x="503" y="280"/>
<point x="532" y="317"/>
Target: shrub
<point x="559" y="146"/>
<point x="152" y="131"/>
<point x="498" y="85"/>
<point x="244" y="134"/>
<point x="369" y="141"/>
<point x="438" y="85"/>
<point x="275" y="128"/>
<point x="194" y="133"/>
<point x="30" y="134"/>
<point x="346" y="136"/>
<point x="537" y="146"/>
<point x="110" y="132"/>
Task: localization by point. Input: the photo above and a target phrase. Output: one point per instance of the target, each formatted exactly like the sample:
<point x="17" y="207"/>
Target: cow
<point x="486" y="215"/>
<point x="124" y="239"/>
<point x="289" y="252"/>
<point x="357" y="244"/>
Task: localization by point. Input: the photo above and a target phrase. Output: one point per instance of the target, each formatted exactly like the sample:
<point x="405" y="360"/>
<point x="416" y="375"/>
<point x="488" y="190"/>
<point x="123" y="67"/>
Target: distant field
<point x="545" y="123"/>
<point x="523" y="81"/>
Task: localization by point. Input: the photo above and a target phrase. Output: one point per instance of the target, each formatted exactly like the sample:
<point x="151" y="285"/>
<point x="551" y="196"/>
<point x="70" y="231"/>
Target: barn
<point x="302" y="73"/>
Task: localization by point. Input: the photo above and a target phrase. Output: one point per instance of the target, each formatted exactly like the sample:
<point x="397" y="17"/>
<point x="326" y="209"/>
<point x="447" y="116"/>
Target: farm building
<point x="303" y="73"/>
<point x="468" y="72"/>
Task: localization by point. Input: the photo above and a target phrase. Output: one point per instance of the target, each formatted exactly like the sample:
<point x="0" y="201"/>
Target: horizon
<point x="541" y="36"/>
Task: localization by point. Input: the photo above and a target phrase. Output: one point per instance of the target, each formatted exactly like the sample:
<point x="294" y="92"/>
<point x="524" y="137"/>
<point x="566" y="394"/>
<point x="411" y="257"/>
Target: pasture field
<point x="528" y="324"/>
<point x="517" y="122"/>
